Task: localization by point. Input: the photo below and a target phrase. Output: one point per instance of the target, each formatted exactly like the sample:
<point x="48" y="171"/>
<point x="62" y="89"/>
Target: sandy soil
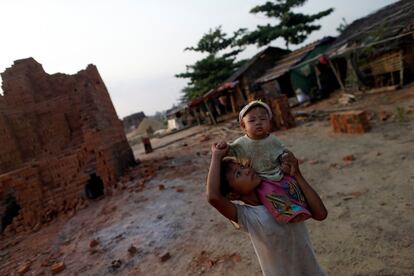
<point x="159" y="223"/>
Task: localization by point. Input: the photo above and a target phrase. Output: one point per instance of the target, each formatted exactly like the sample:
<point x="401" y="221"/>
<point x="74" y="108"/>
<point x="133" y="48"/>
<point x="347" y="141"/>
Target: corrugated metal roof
<point x="222" y="87"/>
<point x="287" y="62"/>
<point x="268" y="51"/>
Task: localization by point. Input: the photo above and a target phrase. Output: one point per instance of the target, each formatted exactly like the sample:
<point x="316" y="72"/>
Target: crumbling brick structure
<point x="61" y="142"/>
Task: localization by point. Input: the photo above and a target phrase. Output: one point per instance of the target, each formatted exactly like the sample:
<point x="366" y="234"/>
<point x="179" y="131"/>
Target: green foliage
<point x="400" y="114"/>
<point x="215" y="41"/>
<point x="342" y="26"/>
<point x="293" y="27"/>
<point x="216" y="67"/>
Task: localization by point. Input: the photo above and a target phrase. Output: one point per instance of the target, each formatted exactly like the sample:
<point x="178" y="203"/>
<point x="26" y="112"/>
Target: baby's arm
<point x="231" y="150"/>
<point x="214" y="196"/>
<point x="315" y="204"/>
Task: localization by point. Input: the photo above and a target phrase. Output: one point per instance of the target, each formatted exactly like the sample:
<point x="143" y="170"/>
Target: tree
<point x="342" y="26"/>
<point x="293" y="27"/>
<point x="216" y="67"/>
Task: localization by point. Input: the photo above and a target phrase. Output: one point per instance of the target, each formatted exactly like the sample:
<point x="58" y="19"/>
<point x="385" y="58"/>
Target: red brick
<point x="57" y="267"/>
<point x="93" y="243"/>
<point x="282" y="116"/>
<point x="23" y="269"/>
<point x="350" y="122"/>
<point x="164" y="257"/>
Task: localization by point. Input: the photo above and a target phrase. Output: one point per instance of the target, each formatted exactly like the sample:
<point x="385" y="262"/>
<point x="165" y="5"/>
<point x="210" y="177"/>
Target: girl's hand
<point x="219" y="150"/>
<point x="290" y="164"/>
<point x="285" y="168"/>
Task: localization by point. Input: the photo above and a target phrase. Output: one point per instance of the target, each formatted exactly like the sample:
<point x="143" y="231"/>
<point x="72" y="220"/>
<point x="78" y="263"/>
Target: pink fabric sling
<point x="284" y="199"/>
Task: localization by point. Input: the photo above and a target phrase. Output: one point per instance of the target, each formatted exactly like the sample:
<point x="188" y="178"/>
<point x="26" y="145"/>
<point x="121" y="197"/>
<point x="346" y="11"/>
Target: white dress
<point x="282" y="249"/>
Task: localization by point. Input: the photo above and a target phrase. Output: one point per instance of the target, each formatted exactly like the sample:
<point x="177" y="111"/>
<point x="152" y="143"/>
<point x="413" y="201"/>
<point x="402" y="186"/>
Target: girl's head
<point x="237" y="179"/>
<point x="255" y="120"/>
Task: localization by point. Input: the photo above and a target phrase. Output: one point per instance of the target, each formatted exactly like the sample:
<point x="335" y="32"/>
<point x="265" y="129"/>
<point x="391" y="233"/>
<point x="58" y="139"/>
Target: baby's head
<point x="236" y="178"/>
<point x="255" y="120"/>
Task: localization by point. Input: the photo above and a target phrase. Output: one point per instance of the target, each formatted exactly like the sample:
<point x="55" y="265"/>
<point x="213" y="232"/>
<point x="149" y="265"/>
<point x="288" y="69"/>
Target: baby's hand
<point x="219" y="150"/>
<point x="221" y="145"/>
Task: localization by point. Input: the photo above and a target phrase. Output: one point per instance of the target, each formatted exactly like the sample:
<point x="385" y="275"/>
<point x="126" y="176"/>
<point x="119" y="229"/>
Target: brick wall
<point x="55" y="131"/>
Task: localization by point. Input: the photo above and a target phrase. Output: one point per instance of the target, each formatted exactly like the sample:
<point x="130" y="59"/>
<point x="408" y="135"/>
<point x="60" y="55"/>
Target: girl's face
<point x="242" y="180"/>
<point x="256" y="123"/>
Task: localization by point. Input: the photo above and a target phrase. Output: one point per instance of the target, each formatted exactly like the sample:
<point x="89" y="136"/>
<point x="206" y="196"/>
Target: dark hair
<point x="225" y="188"/>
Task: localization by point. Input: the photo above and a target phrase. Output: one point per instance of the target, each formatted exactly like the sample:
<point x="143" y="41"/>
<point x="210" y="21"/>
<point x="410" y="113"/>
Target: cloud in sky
<point x="137" y="45"/>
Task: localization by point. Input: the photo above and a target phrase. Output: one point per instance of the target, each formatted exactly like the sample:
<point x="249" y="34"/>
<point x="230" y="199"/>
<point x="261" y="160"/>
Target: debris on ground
<point x="349" y="157"/>
<point x="160" y="205"/>
<point x="57" y="267"/>
<point x="164" y="257"/>
<point x="132" y="250"/>
<point x="346" y="98"/>
<point x="116" y="263"/>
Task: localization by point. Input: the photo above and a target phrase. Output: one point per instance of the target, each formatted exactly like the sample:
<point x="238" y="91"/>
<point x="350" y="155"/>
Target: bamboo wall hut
<point x="375" y="52"/>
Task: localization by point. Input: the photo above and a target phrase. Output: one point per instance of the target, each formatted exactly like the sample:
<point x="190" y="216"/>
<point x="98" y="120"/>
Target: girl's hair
<point x="225" y="188"/>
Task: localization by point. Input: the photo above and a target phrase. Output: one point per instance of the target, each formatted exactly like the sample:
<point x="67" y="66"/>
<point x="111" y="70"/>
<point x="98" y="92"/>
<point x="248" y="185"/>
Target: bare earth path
<point x="175" y="232"/>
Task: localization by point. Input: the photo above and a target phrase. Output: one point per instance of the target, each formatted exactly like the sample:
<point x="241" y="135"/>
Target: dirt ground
<point x="159" y="223"/>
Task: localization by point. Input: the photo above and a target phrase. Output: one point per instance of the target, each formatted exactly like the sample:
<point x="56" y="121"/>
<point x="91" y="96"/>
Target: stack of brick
<point x="350" y="122"/>
<point x="56" y="131"/>
<point x="282" y="116"/>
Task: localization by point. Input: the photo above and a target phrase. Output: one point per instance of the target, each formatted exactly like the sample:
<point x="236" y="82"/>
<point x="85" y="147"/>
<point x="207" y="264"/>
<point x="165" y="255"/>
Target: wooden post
<point x="245" y="83"/>
<point x="197" y="115"/>
<point x="317" y="73"/>
<point x="210" y="114"/>
<point x="233" y="103"/>
<point x="338" y="78"/>
<point x="402" y="69"/>
<point x="241" y="94"/>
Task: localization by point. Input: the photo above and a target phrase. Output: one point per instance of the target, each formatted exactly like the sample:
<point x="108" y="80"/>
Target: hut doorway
<point x="8" y="210"/>
<point x="95" y="187"/>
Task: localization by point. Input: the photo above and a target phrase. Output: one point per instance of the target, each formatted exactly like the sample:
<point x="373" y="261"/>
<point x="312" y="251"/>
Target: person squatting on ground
<point x="278" y="192"/>
<point x="282" y="248"/>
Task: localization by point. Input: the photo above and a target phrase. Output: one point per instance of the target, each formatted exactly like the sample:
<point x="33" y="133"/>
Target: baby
<point x="278" y="192"/>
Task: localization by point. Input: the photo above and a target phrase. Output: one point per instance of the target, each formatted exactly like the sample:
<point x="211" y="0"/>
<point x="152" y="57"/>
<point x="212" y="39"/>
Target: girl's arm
<point x="214" y="197"/>
<point x="315" y="204"/>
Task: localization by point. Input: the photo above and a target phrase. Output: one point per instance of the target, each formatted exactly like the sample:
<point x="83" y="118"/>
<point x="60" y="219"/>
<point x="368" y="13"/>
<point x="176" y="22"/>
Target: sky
<point x="138" y="46"/>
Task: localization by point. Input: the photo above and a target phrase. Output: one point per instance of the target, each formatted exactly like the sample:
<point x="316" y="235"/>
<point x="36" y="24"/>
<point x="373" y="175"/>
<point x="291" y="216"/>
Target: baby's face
<point x="256" y="123"/>
<point x="242" y="180"/>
